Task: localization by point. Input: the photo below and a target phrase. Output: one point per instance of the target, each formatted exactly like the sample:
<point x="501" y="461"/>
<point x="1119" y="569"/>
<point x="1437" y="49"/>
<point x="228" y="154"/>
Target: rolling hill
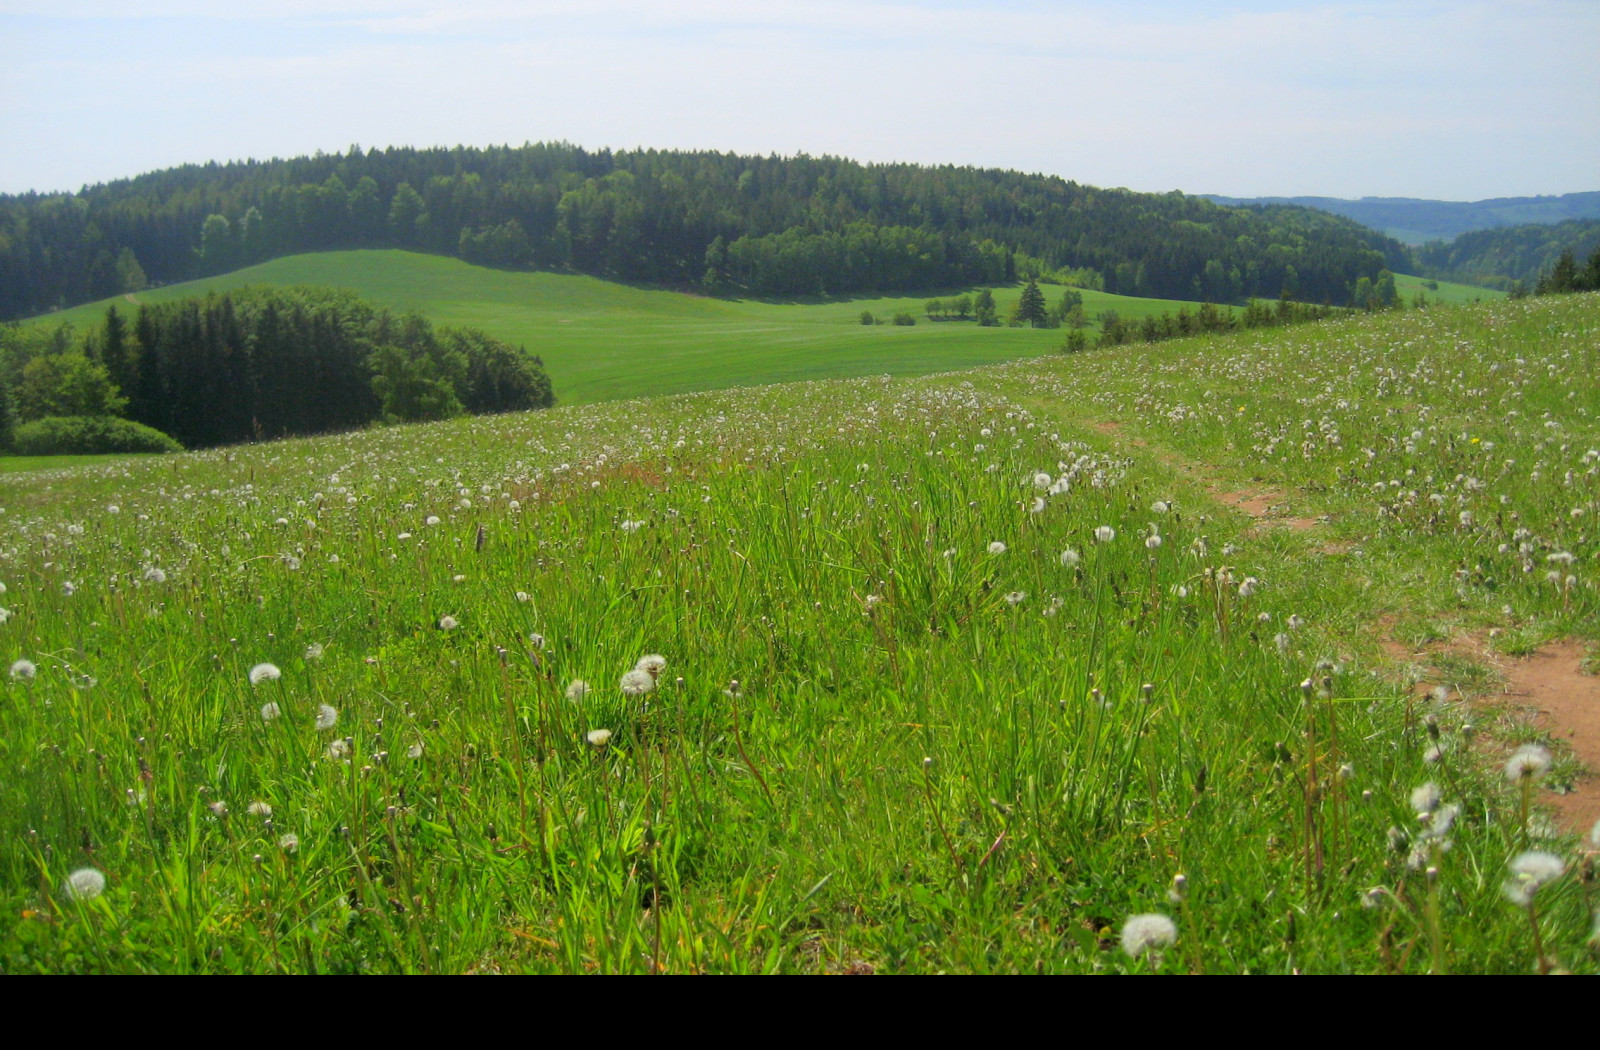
<point x="1414" y="221"/>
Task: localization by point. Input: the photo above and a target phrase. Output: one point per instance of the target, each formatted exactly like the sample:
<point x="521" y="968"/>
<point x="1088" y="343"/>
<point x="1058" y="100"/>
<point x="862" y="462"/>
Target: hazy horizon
<point x="1447" y="100"/>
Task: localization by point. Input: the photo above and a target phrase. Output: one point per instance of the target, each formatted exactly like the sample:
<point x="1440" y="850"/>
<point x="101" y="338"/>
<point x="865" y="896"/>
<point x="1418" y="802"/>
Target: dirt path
<point x="1563" y="701"/>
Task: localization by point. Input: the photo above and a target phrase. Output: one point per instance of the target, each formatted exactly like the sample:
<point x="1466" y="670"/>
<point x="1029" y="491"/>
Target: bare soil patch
<point x="1564" y="702"/>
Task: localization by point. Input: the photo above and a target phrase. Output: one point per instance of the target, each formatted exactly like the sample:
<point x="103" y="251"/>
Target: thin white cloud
<point x="1432" y="99"/>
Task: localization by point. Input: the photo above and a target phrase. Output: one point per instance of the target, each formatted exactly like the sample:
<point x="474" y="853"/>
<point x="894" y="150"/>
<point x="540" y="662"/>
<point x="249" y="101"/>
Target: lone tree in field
<point x="1031" y="308"/>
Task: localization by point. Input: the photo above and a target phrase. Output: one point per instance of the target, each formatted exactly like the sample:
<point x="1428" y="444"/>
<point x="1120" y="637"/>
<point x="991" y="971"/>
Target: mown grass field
<point x="956" y="673"/>
<point x="602" y="341"/>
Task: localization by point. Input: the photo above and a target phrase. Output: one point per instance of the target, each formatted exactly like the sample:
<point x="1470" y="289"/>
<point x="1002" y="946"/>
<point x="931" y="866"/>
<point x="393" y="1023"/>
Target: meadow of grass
<point x="1442" y="291"/>
<point x="602" y="341"/>
<point x="947" y="673"/>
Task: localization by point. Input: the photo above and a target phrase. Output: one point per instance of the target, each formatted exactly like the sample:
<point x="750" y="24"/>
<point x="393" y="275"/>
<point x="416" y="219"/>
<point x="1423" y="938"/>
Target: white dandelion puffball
<point x="598" y="737"/>
<point x="1530" y="871"/>
<point x="577" y="689"/>
<point x="1141" y="933"/>
<point x="260" y="809"/>
<point x="637" y="682"/>
<point x="327" y="716"/>
<point x="289" y="842"/>
<point x="1070" y="557"/>
<point x="269" y="711"/>
<point x="313" y="652"/>
<point x="1529" y="760"/>
<point x="1425" y="799"/>
<point x="431" y="520"/>
<point x="264" y="673"/>
<point x="1105" y="534"/>
<point x="414" y="751"/>
<point x="85" y="884"/>
<point x="1160" y="506"/>
<point x="997" y="547"/>
<point x="1248" y="586"/>
<point x="1153" y="541"/>
<point x="24" y="670"/>
<point x="448" y="623"/>
<point x="1042" y="480"/>
<point x="652" y="664"/>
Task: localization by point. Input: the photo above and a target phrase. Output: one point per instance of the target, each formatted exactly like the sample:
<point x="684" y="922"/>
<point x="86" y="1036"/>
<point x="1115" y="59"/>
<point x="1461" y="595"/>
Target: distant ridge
<point x="1416" y="221"/>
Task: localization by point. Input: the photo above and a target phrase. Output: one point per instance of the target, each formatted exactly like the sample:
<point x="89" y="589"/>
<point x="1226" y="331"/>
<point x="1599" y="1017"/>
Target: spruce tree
<point x="1031" y="308"/>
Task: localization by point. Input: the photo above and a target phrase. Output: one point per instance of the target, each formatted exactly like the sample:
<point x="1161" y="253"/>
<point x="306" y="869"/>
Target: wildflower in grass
<point x="577" y="689"/>
<point x="327" y="716"/>
<point x="414" y="751"/>
<point x="1160" y="506"/>
<point x="339" y="749"/>
<point x="1041" y="480"/>
<point x="632" y="526"/>
<point x="524" y="596"/>
<point x="270" y="711"/>
<point x="1153" y="541"/>
<point x="637" y="682"/>
<point x="85" y="884"/>
<point x="1281" y="640"/>
<point x="1179" y="888"/>
<point x="1016" y="597"/>
<point x="69" y="588"/>
<point x="432" y="520"/>
<point x="1141" y="933"/>
<point x="1296" y="622"/>
<point x="1529" y="872"/>
<point x="1037" y="506"/>
<point x="289" y="842"/>
<point x="24" y="670"/>
<point x="218" y="808"/>
<point x="598" y="737"/>
<point x="448" y="623"/>
<point x="260" y="809"/>
<point x="264" y="673"/>
<point x="997" y="547"/>
<point x="5" y="614"/>
<point x="1070" y="557"/>
<point x="1530" y="761"/>
<point x="652" y="664"/>
<point x="154" y="575"/>
<point x="1425" y="799"/>
<point x="313" y="652"/>
<point x="1247" y="587"/>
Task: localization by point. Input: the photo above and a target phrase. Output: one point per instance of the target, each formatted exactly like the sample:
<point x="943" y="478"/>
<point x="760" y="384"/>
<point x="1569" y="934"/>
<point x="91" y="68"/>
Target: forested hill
<point x="1499" y="258"/>
<point x="757" y="225"/>
<point x="1418" y="221"/>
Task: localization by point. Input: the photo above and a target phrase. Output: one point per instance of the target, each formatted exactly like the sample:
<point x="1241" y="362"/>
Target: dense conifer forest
<point x="1510" y="255"/>
<point x="715" y="221"/>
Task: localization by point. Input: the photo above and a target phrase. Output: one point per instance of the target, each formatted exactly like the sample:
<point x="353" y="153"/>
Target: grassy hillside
<point x="602" y="341"/>
<point x="972" y="672"/>
<point x="1443" y="291"/>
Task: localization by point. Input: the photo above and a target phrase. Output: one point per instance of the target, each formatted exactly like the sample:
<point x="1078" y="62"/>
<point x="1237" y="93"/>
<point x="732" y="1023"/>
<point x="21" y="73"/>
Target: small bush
<point x="867" y="318"/>
<point x="904" y="319"/>
<point x="88" y="435"/>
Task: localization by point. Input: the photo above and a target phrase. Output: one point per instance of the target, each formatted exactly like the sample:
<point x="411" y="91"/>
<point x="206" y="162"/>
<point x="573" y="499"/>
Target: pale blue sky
<point x="1448" y="99"/>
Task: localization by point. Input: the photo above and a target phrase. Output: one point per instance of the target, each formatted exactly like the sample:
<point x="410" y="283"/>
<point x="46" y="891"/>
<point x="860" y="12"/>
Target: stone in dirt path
<point x="1565" y="703"/>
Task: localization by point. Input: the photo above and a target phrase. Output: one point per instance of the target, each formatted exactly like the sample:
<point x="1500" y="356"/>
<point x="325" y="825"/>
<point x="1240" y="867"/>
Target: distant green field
<point x="603" y="341"/>
<point x="1446" y="292"/>
<point x="17" y="463"/>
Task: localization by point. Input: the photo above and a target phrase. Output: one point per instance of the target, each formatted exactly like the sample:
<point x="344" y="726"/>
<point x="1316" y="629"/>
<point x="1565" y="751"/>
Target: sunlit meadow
<point x="970" y="672"/>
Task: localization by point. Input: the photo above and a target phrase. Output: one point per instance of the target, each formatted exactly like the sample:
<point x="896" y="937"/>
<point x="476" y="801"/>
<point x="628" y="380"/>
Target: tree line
<point x="717" y="221"/>
<point x="1510" y="255"/>
<point x="259" y="363"/>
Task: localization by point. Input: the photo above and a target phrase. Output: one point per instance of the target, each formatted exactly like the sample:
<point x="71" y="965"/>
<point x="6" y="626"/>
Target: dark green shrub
<point x="904" y="319"/>
<point x="867" y="318"/>
<point x="88" y="435"/>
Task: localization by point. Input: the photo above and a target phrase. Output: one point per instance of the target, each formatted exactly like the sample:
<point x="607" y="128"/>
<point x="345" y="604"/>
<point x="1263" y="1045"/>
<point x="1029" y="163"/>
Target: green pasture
<point x="1176" y="658"/>
<point x="602" y="341"/>
<point x="1445" y="292"/>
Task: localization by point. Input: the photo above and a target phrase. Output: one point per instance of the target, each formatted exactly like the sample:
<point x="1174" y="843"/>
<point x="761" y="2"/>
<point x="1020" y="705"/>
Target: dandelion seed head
<point x="1527" y="761"/>
<point x="264" y="673"/>
<point x="85" y="884"/>
<point x="653" y="664"/>
<point x="327" y="716"/>
<point x="260" y="809"/>
<point x="24" y="670"/>
<point x="1425" y="799"/>
<point x="598" y="737"/>
<point x="270" y="710"/>
<point x="637" y="682"/>
<point x="448" y="623"/>
<point x="289" y="842"/>
<point x="997" y="547"/>
<point x="577" y="689"/>
<point x="1529" y="872"/>
<point x="1142" y="933"/>
<point x="1105" y="534"/>
<point x="1070" y="557"/>
<point x="313" y="652"/>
